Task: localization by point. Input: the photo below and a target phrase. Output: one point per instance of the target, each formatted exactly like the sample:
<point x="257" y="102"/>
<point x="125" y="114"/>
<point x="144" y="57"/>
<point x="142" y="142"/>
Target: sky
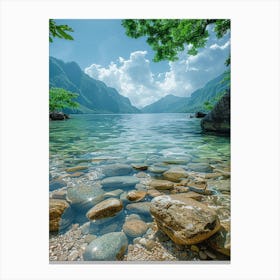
<point x="105" y="53"/>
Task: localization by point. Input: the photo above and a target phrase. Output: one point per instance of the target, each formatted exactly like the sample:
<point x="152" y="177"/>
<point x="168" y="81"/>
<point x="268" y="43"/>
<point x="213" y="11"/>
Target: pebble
<point x="194" y="248"/>
<point x="202" y="255"/>
<point x="210" y="254"/>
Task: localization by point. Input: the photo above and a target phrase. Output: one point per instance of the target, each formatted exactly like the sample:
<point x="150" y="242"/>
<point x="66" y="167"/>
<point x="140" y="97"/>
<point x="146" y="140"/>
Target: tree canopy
<point x="60" y="98"/>
<point x="59" y="31"/>
<point x="168" y="37"/>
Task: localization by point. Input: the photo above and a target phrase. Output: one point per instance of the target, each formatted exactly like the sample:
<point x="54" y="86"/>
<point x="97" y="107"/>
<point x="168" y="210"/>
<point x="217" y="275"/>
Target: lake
<point x="87" y="150"/>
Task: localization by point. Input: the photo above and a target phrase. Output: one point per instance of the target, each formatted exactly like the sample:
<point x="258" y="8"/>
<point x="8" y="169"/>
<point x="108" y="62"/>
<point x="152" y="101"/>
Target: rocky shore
<point x="141" y="212"/>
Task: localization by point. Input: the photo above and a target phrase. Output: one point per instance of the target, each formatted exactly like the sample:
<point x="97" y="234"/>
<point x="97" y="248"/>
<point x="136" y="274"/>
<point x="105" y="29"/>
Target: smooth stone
<point x="107" y="208"/>
<point x="59" y="194"/>
<point x="157" y="169"/>
<point x="115" y="193"/>
<point x="175" y="160"/>
<point x="108" y="247"/>
<point x="153" y="193"/>
<point x="142" y="175"/>
<point x="119" y="182"/>
<point x="84" y="197"/>
<point x="185" y="220"/>
<point x="222" y="186"/>
<point x="220" y="242"/>
<point x="136" y="195"/>
<point x="140" y="166"/>
<point x="117" y="169"/>
<point x="57" y="207"/>
<point x="198" y="185"/>
<point x="76" y="168"/>
<point x="190" y="194"/>
<point x="210" y="254"/>
<point x="139" y="208"/>
<point x="135" y="228"/>
<point x="175" y="174"/>
<point x="57" y="184"/>
<point x="202" y="255"/>
<point x="161" y="184"/>
<point x="76" y="174"/>
<point x="200" y="167"/>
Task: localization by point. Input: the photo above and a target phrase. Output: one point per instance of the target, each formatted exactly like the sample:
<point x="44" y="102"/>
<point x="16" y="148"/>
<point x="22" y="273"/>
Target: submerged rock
<point x="200" y="167"/>
<point x="117" y="169"/>
<point x="184" y="220"/>
<point x="107" y="208"/>
<point x="175" y="174"/>
<point x="57" y="184"/>
<point x="57" y="207"/>
<point x="114" y="193"/>
<point x="139" y="208"/>
<point x="76" y="168"/>
<point x="161" y="184"/>
<point x="119" y="182"/>
<point x="108" y="247"/>
<point x="139" y="166"/>
<point x="157" y="169"/>
<point x="134" y="227"/>
<point x="136" y="195"/>
<point x="84" y="197"/>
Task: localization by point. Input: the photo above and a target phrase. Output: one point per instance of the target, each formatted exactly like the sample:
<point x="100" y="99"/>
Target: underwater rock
<point x="184" y="220"/>
<point x="108" y="247"/>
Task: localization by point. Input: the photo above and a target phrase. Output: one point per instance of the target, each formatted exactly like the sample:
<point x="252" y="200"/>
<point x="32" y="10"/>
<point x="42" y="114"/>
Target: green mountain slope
<point x="175" y="104"/>
<point x="94" y="96"/>
<point x="167" y="104"/>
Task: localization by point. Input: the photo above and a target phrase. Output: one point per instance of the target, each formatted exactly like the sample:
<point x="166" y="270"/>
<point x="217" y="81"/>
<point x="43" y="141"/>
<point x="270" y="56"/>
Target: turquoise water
<point x="159" y="140"/>
<point x="132" y="138"/>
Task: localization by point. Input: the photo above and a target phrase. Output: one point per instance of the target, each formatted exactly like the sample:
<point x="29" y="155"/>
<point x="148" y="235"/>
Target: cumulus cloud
<point x="133" y="77"/>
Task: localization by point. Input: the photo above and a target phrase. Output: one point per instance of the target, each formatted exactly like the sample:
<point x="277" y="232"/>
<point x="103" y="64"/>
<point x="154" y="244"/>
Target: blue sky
<point x="104" y="52"/>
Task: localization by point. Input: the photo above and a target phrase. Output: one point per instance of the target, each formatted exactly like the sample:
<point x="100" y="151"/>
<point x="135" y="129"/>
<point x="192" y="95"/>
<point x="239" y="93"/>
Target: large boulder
<point x="107" y="208"/>
<point x="218" y="120"/>
<point x="108" y="247"/>
<point x="58" y="116"/>
<point x="57" y="210"/>
<point x="185" y="220"/>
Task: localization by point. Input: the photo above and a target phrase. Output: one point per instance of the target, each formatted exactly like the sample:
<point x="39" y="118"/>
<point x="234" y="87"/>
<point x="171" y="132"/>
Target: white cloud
<point x="133" y="77"/>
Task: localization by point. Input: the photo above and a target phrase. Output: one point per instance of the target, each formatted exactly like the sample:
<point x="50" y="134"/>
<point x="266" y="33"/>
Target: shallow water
<point x="160" y="140"/>
<point x="135" y="138"/>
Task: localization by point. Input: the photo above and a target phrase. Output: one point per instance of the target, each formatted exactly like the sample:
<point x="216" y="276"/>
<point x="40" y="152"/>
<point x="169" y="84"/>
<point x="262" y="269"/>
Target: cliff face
<point x="218" y="120"/>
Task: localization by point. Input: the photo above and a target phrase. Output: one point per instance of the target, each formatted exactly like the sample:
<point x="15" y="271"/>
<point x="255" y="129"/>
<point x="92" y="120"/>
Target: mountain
<point x="175" y="104"/>
<point x="94" y="96"/>
<point x="167" y="104"/>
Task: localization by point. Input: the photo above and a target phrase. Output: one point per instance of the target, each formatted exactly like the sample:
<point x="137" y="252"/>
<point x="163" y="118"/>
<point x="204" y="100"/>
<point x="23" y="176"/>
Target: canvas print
<point x="139" y="140"/>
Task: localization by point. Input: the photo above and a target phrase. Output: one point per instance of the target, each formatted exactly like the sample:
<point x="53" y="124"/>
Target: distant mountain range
<point x="94" y="96"/>
<point x="175" y="104"/>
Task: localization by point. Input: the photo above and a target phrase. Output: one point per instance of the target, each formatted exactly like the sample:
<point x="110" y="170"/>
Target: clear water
<point x="97" y="140"/>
